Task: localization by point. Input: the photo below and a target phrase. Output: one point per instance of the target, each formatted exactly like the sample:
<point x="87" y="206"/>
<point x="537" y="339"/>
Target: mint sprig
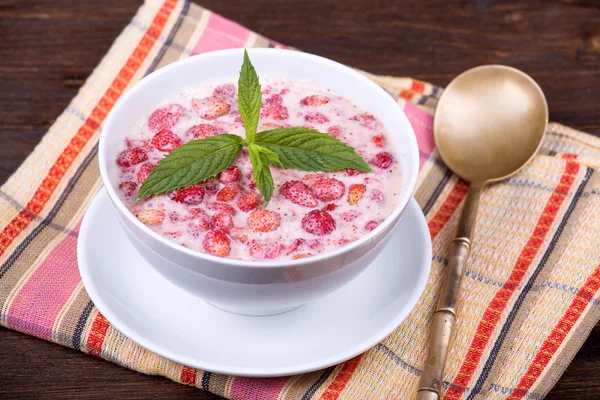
<point x="290" y="148"/>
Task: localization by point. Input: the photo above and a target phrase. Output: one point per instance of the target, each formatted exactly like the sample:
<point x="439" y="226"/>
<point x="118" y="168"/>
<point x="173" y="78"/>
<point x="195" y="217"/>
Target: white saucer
<point x="182" y="327"/>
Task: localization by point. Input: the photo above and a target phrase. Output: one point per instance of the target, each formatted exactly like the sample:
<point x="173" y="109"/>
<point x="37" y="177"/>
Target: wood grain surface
<point x="49" y="47"/>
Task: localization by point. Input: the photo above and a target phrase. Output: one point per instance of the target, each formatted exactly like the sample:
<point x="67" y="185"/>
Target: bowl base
<point x="253" y="312"/>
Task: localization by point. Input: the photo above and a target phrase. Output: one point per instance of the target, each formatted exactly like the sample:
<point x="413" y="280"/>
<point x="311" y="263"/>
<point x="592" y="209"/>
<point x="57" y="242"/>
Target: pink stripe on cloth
<point x="257" y="388"/>
<point x="422" y="123"/>
<point x="39" y="302"/>
<point x="221" y="33"/>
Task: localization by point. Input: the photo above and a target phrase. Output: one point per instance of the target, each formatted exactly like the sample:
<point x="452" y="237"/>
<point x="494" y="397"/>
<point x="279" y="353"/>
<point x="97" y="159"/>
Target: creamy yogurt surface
<point x="309" y="213"/>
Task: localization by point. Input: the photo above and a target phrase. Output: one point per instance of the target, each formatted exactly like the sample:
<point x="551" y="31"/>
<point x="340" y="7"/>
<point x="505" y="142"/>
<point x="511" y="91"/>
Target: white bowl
<point x="256" y="287"/>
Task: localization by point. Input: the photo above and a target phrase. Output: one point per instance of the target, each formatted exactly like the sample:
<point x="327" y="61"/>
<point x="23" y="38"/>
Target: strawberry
<point x="277" y="112"/>
<point x="174" y="216"/>
<point x="217" y="244"/>
<point x="356" y="192"/>
<point x="198" y="223"/>
<point x="221" y="207"/>
<point x="275" y="100"/>
<point x="166" y="141"/>
<point x="318" y="223"/>
<point x="272" y="250"/>
<point x="191" y="195"/>
<point x="373" y="224"/>
<point x="349" y="216"/>
<point x="263" y="220"/>
<point x="128" y="188"/>
<point x="335" y="131"/>
<point x="144" y="171"/>
<point x="352" y="172"/>
<point x="248" y="201"/>
<point x="229" y="192"/>
<point x="316" y="118"/>
<point x="310" y="179"/>
<point x="131" y="156"/>
<point x="239" y="234"/>
<point x="165" y="118"/>
<point x="298" y="193"/>
<point x="378" y="140"/>
<point x="211" y="107"/>
<point x="221" y="221"/>
<point x="267" y="126"/>
<point x="302" y="255"/>
<point x="330" y="207"/>
<point x="383" y="160"/>
<point x="211" y="189"/>
<point x="328" y="189"/>
<point x="227" y="91"/>
<point x="201" y="131"/>
<point x="295" y="246"/>
<point x="377" y="196"/>
<point x="230" y="175"/>
<point x="365" y="119"/>
<point x="150" y="217"/>
<point x="265" y="250"/>
<point x="314" y="100"/>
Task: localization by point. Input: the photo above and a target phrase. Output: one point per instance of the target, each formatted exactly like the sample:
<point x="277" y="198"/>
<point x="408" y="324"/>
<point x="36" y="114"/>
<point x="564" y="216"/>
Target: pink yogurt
<point x="308" y="214"/>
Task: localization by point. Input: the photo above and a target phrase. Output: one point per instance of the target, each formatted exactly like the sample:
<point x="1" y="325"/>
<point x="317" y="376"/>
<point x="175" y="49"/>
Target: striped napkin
<point x="530" y="295"/>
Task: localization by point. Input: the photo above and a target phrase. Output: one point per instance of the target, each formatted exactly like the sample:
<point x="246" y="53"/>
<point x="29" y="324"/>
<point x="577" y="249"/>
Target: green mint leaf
<point x="249" y="98"/>
<point x="268" y="155"/>
<point x="261" y="172"/>
<point x="308" y="150"/>
<point x="192" y="163"/>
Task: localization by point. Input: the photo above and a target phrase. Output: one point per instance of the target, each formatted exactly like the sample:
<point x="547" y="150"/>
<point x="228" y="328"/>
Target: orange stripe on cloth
<point x="443" y="215"/>
<point x="97" y="335"/>
<point x="188" y="376"/>
<point x="65" y="159"/>
<point x="340" y="381"/>
<point x="495" y="308"/>
<point x="558" y="335"/>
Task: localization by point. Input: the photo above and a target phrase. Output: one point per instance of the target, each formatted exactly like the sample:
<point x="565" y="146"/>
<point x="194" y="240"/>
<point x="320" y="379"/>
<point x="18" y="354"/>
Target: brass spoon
<point x="489" y="123"/>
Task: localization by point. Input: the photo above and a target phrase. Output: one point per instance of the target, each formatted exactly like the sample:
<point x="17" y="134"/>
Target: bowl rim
<point x="386" y="101"/>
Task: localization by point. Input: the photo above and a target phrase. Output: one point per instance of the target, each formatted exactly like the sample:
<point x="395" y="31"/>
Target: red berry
<point x="132" y="156"/>
<point x="239" y="234"/>
<point x="328" y="189"/>
<point x="198" y="223"/>
<point x="377" y="196"/>
<point x="383" y="160"/>
<point x="211" y="189"/>
<point x="365" y="119"/>
<point x="310" y="179"/>
<point x="248" y="201"/>
<point x="227" y="91"/>
<point x="263" y="220"/>
<point x="295" y="246"/>
<point x="128" y="188"/>
<point x="166" y="141"/>
<point x="229" y="192"/>
<point x="278" y="112"/>
<point x="356" y="192"/>
<point x="150" y="217"/>
<point x="216" y="243"/>
<point x="191" y="195"/>
<point x="335" y="131"/>
<point x="298" y="193"/>
<point x="314" y="100"/>
<point x="349" y="216"/>
<point x="352" y="172"/>
<point x="378" y="140"/>
<point x="230" y="175"/>
<point x="273" y="250"/>
<point x="221" y="221"/>
<point x="330" y="207"/>
<point x="165" y="118"/>
<point x="221" y="207"/>
<point x="316" y="118"/>
<point x="373" y="224"/>
<point x="211" y="107"/>
<point x="318" y="223"/>
<point x="275" y="100"/>
<point x="144" y="171"/>
<point x="265" y="250"/>
<point x="302" y="255"/>
<point x="201" y="131"/>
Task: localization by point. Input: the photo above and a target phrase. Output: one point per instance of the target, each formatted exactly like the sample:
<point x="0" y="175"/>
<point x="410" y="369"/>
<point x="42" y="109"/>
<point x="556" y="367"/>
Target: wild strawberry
<point x="198" y="223"/>
<point x="174" y="216"/>
<point x="265" y="250"/>
<point x="335" y="131"/>
<point x="239" y="234"/>
<point x="298" y="193"/>
<point x="318" y="223"/>
<point x="365" y="119"/>
<point x="150" y="217"/>
<point x="383" y="160"/>
<point x="315" y="244"/>
<point x="352" y="172"/>
<point x="349" y="216"/>
<point x="267" y="126"/>
<point x="128" y="188"/>
<point x="302" y="255"/>
<point x="166" y="141"/>
<point x="310" y="179"/>
<point x="227" y="91"/>
<point x="275" y="100"/>
<point x="378" y="140"/>
<point x="191" y="195"/>
<point x="316" y="118"/>
<point x="165" y="118"/>
<point x="276" y="112"/>
<point x="230" y="175"/>
<point x="295" y="246"/>
<point x="356" y="192"/>
<point x="328" y="189"/>
<point x="211" y="107"/>
<point x="132" y="156"/>
<point x="221" y="207"/>
<point x="248" y="201"/>
<point x="330" y="207"/>
<point x="263" y="220"/>
<point x="273" y="250"/>
<point x="229" y="192"/>
<point x="314" y="100"/>
<point x="221" y="221"/>
<point x="217" y="244"/>
<point x="201" y="131"/>
<point x="211" y="189"/>
<point x="377" y="196"/>
<point x="144" y="171"/>
<point x="373" y="224"/>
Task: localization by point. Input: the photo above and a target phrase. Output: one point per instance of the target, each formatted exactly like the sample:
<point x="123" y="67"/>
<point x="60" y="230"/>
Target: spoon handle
<point x="431" y="384"/>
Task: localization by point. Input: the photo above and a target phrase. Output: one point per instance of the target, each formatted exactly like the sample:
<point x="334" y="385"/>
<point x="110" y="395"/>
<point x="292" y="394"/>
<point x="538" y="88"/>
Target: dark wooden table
<point x="49" y="47"/>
